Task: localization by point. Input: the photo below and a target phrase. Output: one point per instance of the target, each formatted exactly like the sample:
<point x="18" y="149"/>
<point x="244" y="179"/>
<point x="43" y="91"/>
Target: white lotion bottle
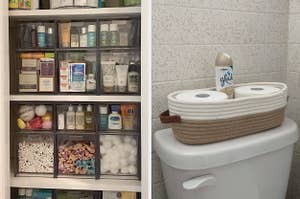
<point x="115" y="119"/>
<point x="70" y="118"/>
<point x="80" y="119"/>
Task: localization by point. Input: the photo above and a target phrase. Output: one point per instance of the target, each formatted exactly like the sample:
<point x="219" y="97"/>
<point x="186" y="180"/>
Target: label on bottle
<point x="83" y="41"/>
<point x="71" y="121"/>
<point x="41" y="39"/>
<point x="104" y="38"/>
<point x="80" y="121"/>
<point x="133" y="82"/>
<point x="91" y="39"/>
<point x="224" y="77"/>
<point x="103" y="121"/>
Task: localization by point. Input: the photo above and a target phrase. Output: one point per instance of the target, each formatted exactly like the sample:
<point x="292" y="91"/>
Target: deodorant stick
<point x="224" y="72"/>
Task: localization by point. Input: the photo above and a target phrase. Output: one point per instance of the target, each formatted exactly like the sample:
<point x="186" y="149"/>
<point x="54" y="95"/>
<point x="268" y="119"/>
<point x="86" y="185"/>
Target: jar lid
<point x="104" y="27"/>
<point x="103" y="110"/>
<point x="41" y="29"/>
<point x="115" y="108"/>
<point x="113" y="27"/>
<point x="91" y="28"/>
<point x="132" y="67"/>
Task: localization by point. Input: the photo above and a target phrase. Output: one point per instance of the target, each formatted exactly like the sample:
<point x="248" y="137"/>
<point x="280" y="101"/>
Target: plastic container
<point x="35" y="154"/>
<point x="76" y="155"/>
<point x="119" y="156"/>
<point x="74" y="3"/>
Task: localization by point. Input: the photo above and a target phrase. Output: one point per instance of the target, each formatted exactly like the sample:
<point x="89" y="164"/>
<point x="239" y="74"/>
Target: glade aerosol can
<point x="224" y="74"/>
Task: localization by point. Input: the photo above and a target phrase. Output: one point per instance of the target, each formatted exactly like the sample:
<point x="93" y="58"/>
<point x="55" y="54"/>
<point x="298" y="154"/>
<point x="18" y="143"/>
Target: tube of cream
<point x="122" y="74"/>
<point x="108" y="76"/>
<point x="65" y="30"/>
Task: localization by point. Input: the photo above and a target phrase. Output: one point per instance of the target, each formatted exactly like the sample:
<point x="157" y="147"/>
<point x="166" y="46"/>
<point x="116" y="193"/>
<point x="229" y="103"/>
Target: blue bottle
<point x="41" y="36"/>
<point x="91" y="36"/>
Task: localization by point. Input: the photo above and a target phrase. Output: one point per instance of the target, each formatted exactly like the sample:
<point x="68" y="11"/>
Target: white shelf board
<point x="77" y="98"/>
<point x="76" y="184"/>
<point x="80" y="13"/>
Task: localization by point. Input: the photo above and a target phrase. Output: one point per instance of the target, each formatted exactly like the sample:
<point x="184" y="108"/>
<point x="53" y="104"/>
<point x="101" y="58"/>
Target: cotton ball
<point x="40" y="110"/>
<point x="132" y="169"/>
<point x="133" y="142"/>
<point x="26" y="113"/>
<point x="104" y="167"/>
<point x="133" y="151"/>
<point x="127" y="139"/>
<point x="116" y="140"/>
<point x="102" y="150"/>
<point x="124" y="170"/>
<point x="123" y="162"/>
<point x="132" y="159"/>
<point x="107" y="144"/>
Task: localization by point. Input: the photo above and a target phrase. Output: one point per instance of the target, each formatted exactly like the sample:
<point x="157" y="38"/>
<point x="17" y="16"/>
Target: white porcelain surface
<point x="251" y="167"/>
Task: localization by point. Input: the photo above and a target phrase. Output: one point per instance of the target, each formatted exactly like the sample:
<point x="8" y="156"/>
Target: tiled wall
<point x="293" y="80"/>
<point x="187" y="34"/>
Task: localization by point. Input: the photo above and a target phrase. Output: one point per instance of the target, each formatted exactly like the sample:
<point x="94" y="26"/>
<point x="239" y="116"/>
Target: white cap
<point x="83" y="30"/>
<point x="21" y="192"/>
<point x="50" y="30"/>
<point x="71" y="108"/>
<point x="91" y="76"/>
<point x="103" y="110"/>
<point x="79" y="108"/>
<point x="41" y="29"/>
<point x="91" y="28"/>
<point x="104" y="27"/>
<point x="89" y="108"/>
<point x="113" y="27"/>
<point x="28" y="192"/>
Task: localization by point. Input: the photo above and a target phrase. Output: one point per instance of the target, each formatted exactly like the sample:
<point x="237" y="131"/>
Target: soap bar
<point x="64" y="76"/>
<point x="28" y="83"/>
<point x="47" y="67"/>
<point x="29" y="62"/>
<point x="46" y="84"/>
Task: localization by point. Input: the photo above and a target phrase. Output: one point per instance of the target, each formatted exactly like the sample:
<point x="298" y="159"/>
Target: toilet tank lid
<point x="191" y="157"/>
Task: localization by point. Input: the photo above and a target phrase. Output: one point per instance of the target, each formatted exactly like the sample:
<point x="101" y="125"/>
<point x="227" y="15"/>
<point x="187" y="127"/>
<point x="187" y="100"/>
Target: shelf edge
<point x="75" y="98"/>
<point x="76" y="184"/>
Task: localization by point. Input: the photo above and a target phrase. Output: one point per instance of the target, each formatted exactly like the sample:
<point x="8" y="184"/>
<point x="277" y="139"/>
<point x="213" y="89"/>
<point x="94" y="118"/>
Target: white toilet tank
<point x="251" y="167"/>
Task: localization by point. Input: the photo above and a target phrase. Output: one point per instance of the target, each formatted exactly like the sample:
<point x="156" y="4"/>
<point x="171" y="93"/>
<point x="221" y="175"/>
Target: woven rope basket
<point x="210" y="131"/>
<point x="209" y="122"/>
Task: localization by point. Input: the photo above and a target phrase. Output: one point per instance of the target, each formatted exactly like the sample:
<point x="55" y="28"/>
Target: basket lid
<point x="195" y="157"/>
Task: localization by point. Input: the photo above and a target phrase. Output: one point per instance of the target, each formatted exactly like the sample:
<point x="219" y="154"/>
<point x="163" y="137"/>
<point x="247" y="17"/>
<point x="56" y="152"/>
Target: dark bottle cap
<point x="132" y="67"/>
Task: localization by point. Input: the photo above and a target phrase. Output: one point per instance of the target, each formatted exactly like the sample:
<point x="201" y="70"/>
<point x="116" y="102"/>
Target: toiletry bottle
<point x="70" y="118"/>
<point x="13" y="4"/>
<point x="41" y="36"/>
<point x="133" y="78"/>
<point x="79" y="118"/>
<point x="224" y="73"/>
<point x="114" y="35"/>
<point x="91" y="83"/>
<point x="65" y="32"/>
<point x="50" y="38"/>
<point x="83" y="38"/>
<point x="91" y="36"/>
<point x="44" y="4"/>
<point x="61" y="121"/>
<point x="129" y="116"/>
<point x="21" y="193"/>
<point x="103" y="123"/>
<point x="28" y="193"/>
<point x="89" y="118"/>
<point x="100" y="3"/>
<point x="115" y="119"/>
<point x="122" y="75"/>
<point x="74" y="38"/>
<point x="33" y="37"/>
<point x="104" y="35"/>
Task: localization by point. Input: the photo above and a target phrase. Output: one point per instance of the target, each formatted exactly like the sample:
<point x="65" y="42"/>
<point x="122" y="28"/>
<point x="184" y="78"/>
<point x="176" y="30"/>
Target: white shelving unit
<point x="8" y="180"/>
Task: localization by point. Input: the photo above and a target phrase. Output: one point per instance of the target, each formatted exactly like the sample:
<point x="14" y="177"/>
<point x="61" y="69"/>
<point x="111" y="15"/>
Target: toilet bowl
<point x="251" y="167"/>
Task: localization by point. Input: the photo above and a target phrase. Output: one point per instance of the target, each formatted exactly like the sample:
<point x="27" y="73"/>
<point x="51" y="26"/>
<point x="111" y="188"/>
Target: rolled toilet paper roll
<point x="197" y="96"/>
<point x="254" y="90"/>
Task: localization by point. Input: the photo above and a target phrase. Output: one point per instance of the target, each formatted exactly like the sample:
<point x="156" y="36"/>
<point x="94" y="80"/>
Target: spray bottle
<point x="224" y="73"/>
